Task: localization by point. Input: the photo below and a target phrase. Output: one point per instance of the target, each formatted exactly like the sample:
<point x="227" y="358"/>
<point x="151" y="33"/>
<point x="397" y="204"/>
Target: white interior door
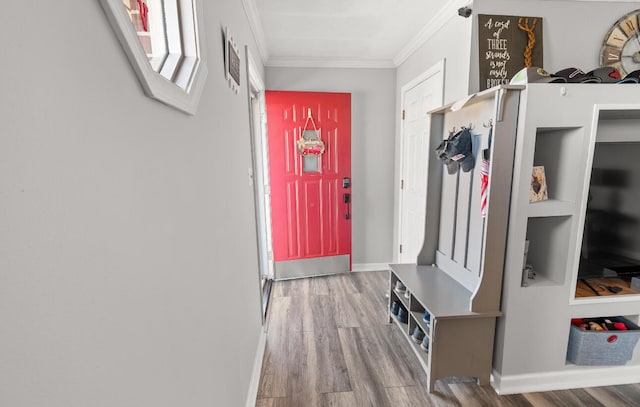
<point x="421" y="95"/>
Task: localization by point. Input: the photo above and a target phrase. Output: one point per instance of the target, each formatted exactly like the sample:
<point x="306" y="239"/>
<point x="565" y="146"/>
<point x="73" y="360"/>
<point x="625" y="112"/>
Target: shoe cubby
<point x="418" y="313"/>
<point x="415" y="319"/>
<point x="417" y="345"/>
<point x="399" y="314"/>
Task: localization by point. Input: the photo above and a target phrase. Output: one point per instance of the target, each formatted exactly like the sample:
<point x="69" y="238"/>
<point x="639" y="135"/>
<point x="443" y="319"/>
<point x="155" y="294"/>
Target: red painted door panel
<point x="307" y="203"/>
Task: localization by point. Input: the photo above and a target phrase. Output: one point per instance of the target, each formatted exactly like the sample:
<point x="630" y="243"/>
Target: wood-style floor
<point x="329" y="344"/>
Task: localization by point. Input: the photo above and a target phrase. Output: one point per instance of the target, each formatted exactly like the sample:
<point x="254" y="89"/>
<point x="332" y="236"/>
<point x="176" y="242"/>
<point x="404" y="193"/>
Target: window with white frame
<point x="167" y="32"/>
<point x="162" y="39"/>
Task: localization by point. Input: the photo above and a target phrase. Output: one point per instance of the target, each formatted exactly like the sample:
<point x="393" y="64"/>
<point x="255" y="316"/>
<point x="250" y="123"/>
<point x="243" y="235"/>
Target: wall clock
<point x="621" y="48"/>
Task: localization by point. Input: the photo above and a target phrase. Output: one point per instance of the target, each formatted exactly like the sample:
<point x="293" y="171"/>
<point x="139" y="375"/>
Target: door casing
<point x="311" y="233"/>
<point x="413" y="165"/>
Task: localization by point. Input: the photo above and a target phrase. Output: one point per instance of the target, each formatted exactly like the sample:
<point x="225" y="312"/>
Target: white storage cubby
<point x="558" y="150"/>
<point x="549" y="238"/>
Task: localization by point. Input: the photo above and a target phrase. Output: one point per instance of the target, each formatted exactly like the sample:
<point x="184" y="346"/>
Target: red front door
<point x="309" y="138"/>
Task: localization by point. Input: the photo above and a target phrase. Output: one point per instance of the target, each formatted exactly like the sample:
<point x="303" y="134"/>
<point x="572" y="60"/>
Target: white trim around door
<point x="418" y="96"/>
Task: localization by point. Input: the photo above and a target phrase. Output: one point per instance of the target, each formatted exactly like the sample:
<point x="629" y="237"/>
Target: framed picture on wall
<point x="232" y="61"/>
<point x="507" y="44"/>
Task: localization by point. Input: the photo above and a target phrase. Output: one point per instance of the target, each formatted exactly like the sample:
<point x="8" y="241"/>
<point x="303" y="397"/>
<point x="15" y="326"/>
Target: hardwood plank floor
<point x="329" y="344"/>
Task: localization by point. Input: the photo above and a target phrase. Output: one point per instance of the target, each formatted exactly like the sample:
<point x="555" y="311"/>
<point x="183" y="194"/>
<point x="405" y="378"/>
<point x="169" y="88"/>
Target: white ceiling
<point x="343" y="33"/>
<point x="347" y="33"/>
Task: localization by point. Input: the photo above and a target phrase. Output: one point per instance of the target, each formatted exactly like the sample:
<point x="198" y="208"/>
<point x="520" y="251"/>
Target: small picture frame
<point x="538" y="190"/>
<point x="232" y="61"/>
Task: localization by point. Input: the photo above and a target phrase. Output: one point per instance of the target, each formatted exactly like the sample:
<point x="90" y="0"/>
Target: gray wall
<point x="128" y="270"/>
<point x="451" y="44"/>
<point x="372" y="105"/>
<point x="573" y="31"/>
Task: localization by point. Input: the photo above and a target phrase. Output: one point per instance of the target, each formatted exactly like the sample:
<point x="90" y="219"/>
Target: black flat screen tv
<point x="611" y="238"/>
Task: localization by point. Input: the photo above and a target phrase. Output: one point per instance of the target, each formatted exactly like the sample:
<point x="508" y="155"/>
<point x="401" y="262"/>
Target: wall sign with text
<point x="232" y="61"/>
<point x="507" y="44"/>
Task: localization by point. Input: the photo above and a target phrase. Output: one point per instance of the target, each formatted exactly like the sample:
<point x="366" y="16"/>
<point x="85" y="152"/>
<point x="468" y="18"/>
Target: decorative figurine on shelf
<point x="538" y="190"/>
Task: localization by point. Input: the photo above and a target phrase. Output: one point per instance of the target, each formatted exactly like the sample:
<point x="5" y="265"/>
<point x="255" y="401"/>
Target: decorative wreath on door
<point x="310" y="141"/>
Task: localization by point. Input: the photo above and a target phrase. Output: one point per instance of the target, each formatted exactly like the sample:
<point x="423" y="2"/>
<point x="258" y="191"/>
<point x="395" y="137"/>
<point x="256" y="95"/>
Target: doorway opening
<point x="259" y="158"/>
<point x="309" y="141"/>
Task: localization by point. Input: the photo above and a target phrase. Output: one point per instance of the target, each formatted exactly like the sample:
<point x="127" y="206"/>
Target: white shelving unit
<point x="559" y="127"/>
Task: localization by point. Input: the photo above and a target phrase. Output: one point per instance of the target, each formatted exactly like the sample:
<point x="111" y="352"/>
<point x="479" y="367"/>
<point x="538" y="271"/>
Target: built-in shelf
<point x="550" y="208"/>
<point x="549" y="242"/>
<point x="558" y="150"/>
<point x="402" y="325"/>
<point x="423" y="356"/>
<point x="400" y="297"/>
<point x="417" y="316"/>
<point x="541" y="281"/>
<point x="586" y="138"/>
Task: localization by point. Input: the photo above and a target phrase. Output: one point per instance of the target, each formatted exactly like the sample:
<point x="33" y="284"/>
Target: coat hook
<point x="453" y="130"/>
<point x="467" y="127"/>
<point x="488" y="125"/>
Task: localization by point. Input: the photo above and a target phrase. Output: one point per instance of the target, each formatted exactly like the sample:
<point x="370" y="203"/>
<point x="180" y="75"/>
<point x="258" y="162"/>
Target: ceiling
<point x="344" y="33"/>
<point x="347" y="33"/>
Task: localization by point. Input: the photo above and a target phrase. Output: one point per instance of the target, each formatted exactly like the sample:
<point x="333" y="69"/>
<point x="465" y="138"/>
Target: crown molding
<point x="295" y="62"/>
<point x="251" y="10"/>
<point x="448" y="11"/>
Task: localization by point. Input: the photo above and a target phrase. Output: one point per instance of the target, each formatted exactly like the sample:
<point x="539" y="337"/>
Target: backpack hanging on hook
<point x="457" y="151"/>
<point x="310" y="141"/>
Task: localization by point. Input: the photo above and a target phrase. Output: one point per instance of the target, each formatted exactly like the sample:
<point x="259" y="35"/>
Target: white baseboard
<point x="571" y="378"/>
<point x="257" y="369"/>
<point x="369" y="266"/>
